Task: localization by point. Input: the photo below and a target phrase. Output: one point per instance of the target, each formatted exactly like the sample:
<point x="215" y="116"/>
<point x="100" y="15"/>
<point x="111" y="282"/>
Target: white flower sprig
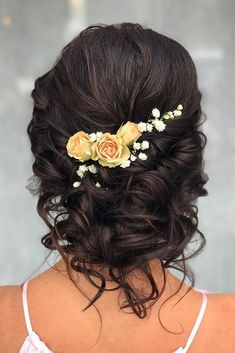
<point x="155" y="122"/>
<point x="136" y="146"/>
<point x="81" y="171"/>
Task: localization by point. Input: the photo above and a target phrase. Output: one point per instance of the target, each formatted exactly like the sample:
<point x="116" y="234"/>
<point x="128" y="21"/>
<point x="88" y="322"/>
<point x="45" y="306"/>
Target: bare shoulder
<point x="11" y="314"/>
<point x="226" y="309"/>
<point x="7" y="299"/>
<point x="224" y="304"/>
<point x="220" y="320"/>
<point x="7" y="295"/>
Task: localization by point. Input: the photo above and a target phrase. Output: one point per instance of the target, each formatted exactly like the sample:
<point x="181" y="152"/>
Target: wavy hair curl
<point x="105" y="76"/>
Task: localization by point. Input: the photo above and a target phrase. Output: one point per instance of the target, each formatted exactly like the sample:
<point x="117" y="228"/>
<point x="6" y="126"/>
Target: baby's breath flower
<point x="92" y="168"/>
<point x="168" y="115"/>
<point x="142" y="126"/>
<point x="97" y="184"/>
<point x="92" y="137"/>
<point x="180" y="107"/>
<point x="136" y="145"/>
<point x="144" y="145"/>
<point x="177" y="112"/>
<point x="80" y="173"/>
<point x="149" y="127"/>
<point x="156" y="113"/>
<point x="76" y="184"/>
<point x="132" y="157"/>
<point x="125" y="163"/>
<point x="99" y="134"/>
<point x="142" y="156"/>
<point x="159" y="125"/>
<point x="83" y="168"/>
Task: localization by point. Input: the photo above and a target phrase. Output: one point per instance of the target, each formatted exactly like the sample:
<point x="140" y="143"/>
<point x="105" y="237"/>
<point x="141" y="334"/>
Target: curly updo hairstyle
<point x="105" y="76"/>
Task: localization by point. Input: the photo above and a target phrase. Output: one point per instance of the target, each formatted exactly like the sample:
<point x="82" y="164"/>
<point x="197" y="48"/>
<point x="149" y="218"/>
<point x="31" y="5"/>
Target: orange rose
<point x="129" y="132"/>
<point x="79" y="146"/>
<point x="109" y="150"/>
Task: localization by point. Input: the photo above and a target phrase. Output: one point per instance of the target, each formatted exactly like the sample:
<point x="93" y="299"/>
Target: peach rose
<point x="79" y="146"/>
<point x="129" y="132"/>
<point x="109" y="150"/>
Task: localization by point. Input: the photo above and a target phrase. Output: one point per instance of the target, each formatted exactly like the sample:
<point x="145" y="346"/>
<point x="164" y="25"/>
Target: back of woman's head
<point x="104" y="77"/>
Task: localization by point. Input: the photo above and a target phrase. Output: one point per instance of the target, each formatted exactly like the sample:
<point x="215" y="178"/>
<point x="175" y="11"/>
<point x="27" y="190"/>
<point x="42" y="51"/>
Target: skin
<point x="55" y="306"/>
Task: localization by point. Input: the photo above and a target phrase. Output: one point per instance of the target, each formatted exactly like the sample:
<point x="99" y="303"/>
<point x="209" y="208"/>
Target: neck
<point x="136" y="278"/>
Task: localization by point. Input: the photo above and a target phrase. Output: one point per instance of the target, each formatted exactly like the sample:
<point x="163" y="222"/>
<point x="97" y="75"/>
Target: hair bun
<point x="105" y="77"/>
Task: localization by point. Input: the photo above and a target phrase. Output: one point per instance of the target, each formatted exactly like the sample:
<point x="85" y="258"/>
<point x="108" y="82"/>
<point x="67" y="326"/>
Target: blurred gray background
<point x="32" y="33"/>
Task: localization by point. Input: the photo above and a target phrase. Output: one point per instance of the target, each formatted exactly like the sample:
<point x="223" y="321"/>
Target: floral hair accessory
<point x="119" y="149"/>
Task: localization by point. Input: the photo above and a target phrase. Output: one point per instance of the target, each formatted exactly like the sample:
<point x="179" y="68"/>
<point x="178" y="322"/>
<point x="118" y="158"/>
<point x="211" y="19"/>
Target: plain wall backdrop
<point x="32" y="33"/>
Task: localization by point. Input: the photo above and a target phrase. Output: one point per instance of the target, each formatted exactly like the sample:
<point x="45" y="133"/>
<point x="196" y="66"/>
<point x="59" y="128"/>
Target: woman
<point x="116" y="136"/>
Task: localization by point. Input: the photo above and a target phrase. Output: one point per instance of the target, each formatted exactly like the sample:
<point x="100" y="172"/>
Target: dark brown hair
<point x="105" y="76"/>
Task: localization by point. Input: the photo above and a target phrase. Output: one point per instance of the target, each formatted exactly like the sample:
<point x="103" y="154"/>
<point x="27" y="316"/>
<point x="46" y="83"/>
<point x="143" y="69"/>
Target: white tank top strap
<point x="198" y="321"/>
<point x="26" y="308"/>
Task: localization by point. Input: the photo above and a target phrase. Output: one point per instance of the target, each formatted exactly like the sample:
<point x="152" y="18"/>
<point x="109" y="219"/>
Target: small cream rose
<point x="79" y="146"/>
<point x="129" y="132"/>
<point x="110" y="151"/>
